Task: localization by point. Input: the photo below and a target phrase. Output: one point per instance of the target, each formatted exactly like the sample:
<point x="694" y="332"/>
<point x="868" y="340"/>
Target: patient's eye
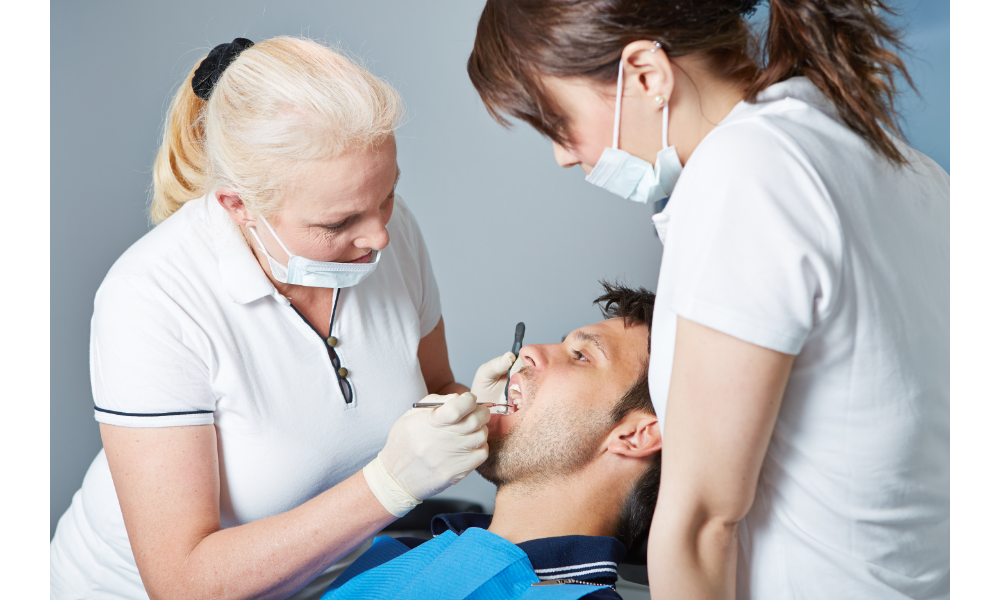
<point x="579" y="355"/>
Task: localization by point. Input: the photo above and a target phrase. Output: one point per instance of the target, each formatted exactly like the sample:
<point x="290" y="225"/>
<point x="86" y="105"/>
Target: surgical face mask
<point x="629" y="176"/>
<point x="315" y="273"/>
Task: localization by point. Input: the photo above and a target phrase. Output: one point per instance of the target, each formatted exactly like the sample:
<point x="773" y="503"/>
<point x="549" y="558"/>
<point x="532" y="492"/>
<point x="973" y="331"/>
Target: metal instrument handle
<point x="516" y="349"/>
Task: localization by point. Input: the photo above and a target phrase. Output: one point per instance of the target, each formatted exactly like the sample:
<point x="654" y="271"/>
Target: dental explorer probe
<point x="433" y="404"/>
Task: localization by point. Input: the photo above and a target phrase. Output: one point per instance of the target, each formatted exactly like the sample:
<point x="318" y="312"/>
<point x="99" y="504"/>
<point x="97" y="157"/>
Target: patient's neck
<point x="580" y="504"/>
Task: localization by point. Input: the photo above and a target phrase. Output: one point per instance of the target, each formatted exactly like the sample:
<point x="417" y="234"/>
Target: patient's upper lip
<point x="515" y="379"/>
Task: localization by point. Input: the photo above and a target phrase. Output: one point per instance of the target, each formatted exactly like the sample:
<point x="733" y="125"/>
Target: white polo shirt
<point x="188" y="330"/>
<point x="786" y="230"/>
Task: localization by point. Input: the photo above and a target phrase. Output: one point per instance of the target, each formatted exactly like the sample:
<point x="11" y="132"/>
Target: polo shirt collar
<point x="241" y="274"/>
<point x="591" y="558"/>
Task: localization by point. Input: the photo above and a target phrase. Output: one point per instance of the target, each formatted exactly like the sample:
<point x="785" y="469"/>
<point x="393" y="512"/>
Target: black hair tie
<point x="210" y="69"/>
<point x="747" y="7"/>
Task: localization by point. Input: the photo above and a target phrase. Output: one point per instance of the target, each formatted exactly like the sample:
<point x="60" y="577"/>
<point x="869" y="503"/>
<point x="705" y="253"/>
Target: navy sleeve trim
<point x="167" y="414"/>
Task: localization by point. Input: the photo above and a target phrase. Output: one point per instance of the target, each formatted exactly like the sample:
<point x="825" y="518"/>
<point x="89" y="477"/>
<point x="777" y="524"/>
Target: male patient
<point x="576" y="464"/>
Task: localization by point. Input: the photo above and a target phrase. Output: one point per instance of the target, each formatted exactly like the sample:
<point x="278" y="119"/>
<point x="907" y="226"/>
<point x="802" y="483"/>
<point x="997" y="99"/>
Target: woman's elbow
<point x="717" y="532"/>
<point x="178" y="578"/>
<point x="694" y="533"/>
<point x="707" y="516"/>
<point x="176" y="585"/>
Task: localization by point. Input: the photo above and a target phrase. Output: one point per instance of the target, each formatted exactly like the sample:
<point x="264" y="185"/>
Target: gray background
<point x="483" y="195"/>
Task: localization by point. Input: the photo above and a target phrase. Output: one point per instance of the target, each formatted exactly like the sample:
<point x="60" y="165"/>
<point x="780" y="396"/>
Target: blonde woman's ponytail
<point x="180" y="171"/>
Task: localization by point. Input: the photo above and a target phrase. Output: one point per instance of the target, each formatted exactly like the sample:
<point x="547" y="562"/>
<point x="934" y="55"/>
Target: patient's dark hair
<point x="635" y="306"/>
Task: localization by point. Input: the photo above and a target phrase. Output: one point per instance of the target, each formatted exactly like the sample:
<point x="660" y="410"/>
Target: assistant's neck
<point x="700" y="101"/>
<point x="585" y="503"/>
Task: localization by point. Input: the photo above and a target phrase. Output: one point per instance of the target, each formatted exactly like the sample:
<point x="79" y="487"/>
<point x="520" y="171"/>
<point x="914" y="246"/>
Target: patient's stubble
<point x="558" y="439"/>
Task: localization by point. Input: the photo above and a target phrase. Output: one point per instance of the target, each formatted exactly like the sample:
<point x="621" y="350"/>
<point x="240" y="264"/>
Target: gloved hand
<point x="491" y="378"/>
<point x="428" y="450"/>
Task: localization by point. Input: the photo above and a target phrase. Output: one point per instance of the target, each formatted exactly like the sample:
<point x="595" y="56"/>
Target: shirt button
<point x="331" y="341"/>
<point x="342" y="372"/>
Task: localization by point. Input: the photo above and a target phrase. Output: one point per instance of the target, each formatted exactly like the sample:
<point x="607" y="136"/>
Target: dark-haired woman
<point x="800" y="341"/>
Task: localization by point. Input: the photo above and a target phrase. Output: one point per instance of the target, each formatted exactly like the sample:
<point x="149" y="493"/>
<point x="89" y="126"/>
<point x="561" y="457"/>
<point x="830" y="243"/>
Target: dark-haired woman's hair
<point x="842" y="46"/>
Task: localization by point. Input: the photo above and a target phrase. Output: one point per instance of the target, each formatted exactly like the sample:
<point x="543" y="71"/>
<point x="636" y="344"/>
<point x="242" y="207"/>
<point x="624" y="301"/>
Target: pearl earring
<point x="658" y="99"/>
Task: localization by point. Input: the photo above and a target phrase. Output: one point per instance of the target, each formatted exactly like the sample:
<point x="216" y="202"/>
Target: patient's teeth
<point x="514" y="396"/>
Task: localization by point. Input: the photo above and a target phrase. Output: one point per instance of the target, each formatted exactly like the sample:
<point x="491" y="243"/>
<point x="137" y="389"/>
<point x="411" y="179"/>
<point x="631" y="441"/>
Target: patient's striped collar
<point x="583" y="557"/>
<point x="577" y="571"/>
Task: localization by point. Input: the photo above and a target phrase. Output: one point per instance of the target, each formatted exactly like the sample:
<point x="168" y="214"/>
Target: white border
<point x="975" y="300"/>
<point x="24" y="247"/>
<point x="24" y="368"/>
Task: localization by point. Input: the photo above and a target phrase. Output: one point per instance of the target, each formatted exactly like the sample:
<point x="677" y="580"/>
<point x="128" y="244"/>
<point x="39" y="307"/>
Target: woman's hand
<point x="428" y="450"/>
<point x="491" y="378"/>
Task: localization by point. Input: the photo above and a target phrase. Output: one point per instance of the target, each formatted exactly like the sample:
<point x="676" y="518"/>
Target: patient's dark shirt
<point x="589" y="558"/>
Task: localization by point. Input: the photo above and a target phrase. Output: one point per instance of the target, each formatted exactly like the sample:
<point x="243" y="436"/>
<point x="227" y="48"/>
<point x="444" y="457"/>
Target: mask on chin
<point x="629" y="176"/>
<point x="315" y="273"/>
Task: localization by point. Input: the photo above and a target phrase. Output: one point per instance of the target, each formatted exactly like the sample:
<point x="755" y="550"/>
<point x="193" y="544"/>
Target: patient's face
<point x="565" y="393"/>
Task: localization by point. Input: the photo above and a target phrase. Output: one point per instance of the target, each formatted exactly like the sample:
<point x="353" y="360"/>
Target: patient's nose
<point x="531" y="356"/>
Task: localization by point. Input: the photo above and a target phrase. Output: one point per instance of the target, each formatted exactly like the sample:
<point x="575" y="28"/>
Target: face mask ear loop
<point x="253" y="232"/>
<point x="275" y="236"/>
<point x="618" y="102"/>
<point x="666" y="117"/>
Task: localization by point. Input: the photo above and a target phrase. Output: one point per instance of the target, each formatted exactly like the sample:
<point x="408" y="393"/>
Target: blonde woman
<point x="252" y="354"/>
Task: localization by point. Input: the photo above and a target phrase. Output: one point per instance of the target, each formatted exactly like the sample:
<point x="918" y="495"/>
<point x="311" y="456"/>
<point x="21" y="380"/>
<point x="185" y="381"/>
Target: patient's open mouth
<point x="514" y="394"/>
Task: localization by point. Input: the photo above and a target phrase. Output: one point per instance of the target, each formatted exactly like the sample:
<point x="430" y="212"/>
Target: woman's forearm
<point x="451" y="388"/>
<point x="168" y="486"/>
<point x="694" y="557"/>
<point x="433" y="356"/>
<point x="273" y="557"/>
<point x="723" y="402"/>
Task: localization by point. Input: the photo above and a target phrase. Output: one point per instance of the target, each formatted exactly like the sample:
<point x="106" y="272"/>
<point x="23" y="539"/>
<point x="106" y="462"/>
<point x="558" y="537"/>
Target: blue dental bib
<point x="476" y="565"/>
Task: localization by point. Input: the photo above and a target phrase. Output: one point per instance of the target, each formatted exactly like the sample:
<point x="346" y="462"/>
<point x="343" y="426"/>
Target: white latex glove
<point x="491" y="378"/>
<point x="428" y="450"/>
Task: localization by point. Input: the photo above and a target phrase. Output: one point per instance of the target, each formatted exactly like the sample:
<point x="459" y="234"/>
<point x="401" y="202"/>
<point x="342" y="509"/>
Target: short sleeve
<point x="148" y="364"/>
<point x="753" y="244"/>
<point x="429" y="304"/>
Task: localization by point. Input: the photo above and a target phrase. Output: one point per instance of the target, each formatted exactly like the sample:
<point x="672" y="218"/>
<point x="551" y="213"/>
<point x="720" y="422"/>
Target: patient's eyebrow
<point x="593" y="338"/>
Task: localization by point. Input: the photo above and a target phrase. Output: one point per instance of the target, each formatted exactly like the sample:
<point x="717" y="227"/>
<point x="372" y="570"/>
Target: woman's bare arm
<point x="433" y="356"/>
<point x="724" y="399"/>
<point x="167" y="480"/>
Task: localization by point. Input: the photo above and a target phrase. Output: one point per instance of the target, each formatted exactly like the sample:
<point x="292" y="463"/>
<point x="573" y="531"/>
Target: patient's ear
<point x="637" y="436"/>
